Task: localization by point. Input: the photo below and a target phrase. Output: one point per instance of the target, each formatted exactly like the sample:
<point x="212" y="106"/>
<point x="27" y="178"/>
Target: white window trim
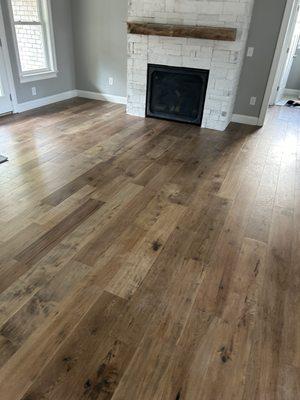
<point x="39" y="74"/>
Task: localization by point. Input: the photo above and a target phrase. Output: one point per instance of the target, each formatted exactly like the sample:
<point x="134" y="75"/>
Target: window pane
<point x="31" y="47"/>
<point x="25" y="10"/>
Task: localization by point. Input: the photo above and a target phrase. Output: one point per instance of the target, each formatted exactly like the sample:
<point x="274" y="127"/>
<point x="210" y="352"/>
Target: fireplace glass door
<point x="176" y="93"/>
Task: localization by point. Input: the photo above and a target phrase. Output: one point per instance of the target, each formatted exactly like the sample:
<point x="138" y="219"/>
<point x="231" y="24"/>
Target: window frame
<point x="50" y="52"/>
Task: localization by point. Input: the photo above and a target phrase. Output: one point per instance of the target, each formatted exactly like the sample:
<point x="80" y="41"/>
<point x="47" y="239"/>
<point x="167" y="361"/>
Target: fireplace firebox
<point x="176" y="93"/>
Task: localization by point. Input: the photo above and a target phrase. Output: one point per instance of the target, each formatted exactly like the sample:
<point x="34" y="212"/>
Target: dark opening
<point x="176" y="93"/>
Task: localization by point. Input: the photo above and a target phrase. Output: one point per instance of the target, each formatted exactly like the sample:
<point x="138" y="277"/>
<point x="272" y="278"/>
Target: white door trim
<point x="286" y="60"/>
<point x="277" y="57"/>
<point x="7" y="62"/>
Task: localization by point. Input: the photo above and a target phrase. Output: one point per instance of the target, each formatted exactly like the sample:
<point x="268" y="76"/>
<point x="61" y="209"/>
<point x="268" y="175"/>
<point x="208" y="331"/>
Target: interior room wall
<point x="100" y="43"/>
<point x="63" y="34"/>
<point x="263" y="35"/>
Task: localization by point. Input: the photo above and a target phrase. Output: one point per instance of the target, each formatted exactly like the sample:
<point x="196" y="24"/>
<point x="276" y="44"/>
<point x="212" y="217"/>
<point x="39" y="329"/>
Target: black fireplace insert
<point x="176" y="93"/>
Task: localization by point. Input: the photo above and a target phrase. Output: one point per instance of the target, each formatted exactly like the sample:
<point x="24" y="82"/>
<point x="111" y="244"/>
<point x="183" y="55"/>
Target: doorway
<point x="7" y="93"/>
<point x="6" y="105"/>
<point x="287" y="44"/>
<point x="286" y="90"/>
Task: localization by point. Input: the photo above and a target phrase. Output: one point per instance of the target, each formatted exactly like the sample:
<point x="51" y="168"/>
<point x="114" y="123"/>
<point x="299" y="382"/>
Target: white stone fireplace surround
<point x="222" y="59"/>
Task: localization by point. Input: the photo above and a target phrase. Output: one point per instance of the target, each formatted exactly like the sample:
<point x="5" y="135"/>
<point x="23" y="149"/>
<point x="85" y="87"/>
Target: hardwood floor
<point x="142" y="259"/>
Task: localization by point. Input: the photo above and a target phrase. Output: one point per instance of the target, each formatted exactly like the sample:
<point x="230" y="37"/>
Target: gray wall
<point x="100" y="45"/>
<point x="294" y="77"/>
<point x="62" y="24"/>
<point x="263" y="35"/>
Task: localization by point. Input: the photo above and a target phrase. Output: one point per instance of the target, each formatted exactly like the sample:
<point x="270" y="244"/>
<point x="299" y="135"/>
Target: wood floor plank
<point x="147" y="259"/>
<point x="10" y="272"/>
<point x="77" y="351"/>
<point x="41" y="306"/>
<point x="260" y="221"/>
<point x="44" y="244"/>
<point x="66" y="316"/>
<point x="263" y="378"/>
<point x="145" y="253"/>
<point x="23" y="289"/>
<point x="123" y="218"/>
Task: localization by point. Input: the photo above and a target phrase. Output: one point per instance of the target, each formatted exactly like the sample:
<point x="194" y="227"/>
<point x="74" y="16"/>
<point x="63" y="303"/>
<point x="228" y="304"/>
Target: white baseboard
<point x="44" y="101"/>
<point x="291" y="92"/>
<point x="244" y="119"/>
<point x="101" y="96"/>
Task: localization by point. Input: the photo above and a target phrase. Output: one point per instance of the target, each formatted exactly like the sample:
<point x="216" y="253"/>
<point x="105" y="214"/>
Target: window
<point x="34" y="40"/>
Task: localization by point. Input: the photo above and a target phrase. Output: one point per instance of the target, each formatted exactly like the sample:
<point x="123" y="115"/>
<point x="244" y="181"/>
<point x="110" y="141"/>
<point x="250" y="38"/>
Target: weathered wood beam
<point x="199" y="32"/>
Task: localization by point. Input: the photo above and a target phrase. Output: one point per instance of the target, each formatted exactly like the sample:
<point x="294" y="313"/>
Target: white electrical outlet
<point x="110" y="81"/>
<point x="252" y="101"/>
<point x="33" y="91"/>
<point x="250" y="51"/>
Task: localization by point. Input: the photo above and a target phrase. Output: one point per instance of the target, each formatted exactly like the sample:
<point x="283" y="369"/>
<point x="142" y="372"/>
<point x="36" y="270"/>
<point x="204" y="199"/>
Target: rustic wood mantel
<point x="198" y="32"/>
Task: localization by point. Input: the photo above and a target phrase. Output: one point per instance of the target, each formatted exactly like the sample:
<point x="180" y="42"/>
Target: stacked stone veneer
<point x="222" y="59"/>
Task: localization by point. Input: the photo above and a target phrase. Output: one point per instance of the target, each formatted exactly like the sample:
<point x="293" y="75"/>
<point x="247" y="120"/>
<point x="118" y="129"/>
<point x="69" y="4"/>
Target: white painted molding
<point x="291" y="92"/>
<point x="244" y="119"/>
<point x="44" y="101"/>
<point x="102" y="96"/>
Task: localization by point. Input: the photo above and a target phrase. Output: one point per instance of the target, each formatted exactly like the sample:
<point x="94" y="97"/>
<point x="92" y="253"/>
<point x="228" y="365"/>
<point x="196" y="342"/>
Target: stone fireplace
<point x="223" y="59"/>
